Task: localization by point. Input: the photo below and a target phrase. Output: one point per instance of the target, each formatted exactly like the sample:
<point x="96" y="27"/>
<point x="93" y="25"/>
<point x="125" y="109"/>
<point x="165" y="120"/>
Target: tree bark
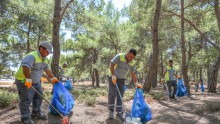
<point x="92" y="76"/>
<point x="183" y="49"/>
<point x="28" y="36"/>
<point x="57" y="18"/>
<point x="200" y="75"/>
<point x="97" y="77"/>
<point x="152" y="72"/>
<point x="212" y="79"/>
<point x="55" y="37"/>
<point x="96" y="73"/>
<point x="161" y="64"/>
<point x="39" y="36"/>
<point x="217" y="13"/>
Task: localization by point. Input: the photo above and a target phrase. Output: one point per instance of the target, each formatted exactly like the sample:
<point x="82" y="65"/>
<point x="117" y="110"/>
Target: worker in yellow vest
<point x="119" y="67"/>
<point x="170" y="75"/>
<point x="29" y="75"/>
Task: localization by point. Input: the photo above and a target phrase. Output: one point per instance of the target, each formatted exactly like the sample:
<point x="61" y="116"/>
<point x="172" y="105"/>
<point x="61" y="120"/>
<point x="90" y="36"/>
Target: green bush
<point x="7" y="98"/>
<point x="48" y="95"/>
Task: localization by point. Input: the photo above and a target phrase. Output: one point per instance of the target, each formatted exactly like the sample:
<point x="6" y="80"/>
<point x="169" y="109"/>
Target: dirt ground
<point x="164" y="111"/>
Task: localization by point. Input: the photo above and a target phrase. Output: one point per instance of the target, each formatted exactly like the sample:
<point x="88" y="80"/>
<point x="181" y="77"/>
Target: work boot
<point x="170" y="97"/>
<point x="111" y="115"/>
<point x="27" y="121"/>
<point x="39" y="116"/>
<point x="173" y="97"/>
<point x="119" y="115"/>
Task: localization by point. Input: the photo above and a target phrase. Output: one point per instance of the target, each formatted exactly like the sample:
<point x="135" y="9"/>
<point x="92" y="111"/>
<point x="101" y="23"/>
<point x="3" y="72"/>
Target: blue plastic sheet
<point x="62" y="100"/>
<point x="202" y="88"/>
<point x="140" y="109"/>
<point x="68" y="85"/>
<point x="181" y="89"/>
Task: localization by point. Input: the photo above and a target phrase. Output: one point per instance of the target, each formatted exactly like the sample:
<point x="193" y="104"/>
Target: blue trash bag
<point x="68" y="85"/>
<point x="62" y="100"/>
<point x="181" y="89"/>
<point x="125" y="88"/>
<point x="202" y="88"/>
<point x="140" y="109"/>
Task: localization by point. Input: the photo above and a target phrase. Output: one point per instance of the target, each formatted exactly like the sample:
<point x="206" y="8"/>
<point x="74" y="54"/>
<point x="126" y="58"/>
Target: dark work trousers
<point x="113" y="94"/>
<point x="171" y="84"/>
<point x="28" y="96"/>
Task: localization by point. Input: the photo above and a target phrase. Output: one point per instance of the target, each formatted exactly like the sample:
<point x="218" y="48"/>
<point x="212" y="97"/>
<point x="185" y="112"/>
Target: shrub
<point x="7" y="98"/>
<point x="48" y="95"/>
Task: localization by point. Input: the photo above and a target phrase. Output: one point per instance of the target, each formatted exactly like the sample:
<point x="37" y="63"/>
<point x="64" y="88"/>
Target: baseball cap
<point x="47" y="45"/>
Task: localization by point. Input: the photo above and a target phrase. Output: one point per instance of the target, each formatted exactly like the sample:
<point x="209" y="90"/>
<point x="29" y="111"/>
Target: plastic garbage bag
<point x="140" y="108"/>
<point x="68" y="85"/>
<point x="125" y="88"/>
<point x="181" y="89"/>
<point x="202" y="88"/>
<point x="62" y="100"/>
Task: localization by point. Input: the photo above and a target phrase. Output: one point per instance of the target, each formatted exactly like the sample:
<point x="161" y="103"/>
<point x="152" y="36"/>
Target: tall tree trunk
<point x="212" y="81"/>
<point x="57" y="18"/>
<point x="183" y="49"/>
<point x="96" y="73"/>
<point x="161" y="64"/>
<point x="28" y="36"/>
<point x="92" y="76"/>
<point x="208" y="72"/>
<point x="217" y="13"/>
<point x="55" y="37"/>
<point x="200" y="75"/>
<point x="39" y="36"/>
<point x="152" y="72"/>
<point x="147" y="84"/>
<point x="97" y="77"/>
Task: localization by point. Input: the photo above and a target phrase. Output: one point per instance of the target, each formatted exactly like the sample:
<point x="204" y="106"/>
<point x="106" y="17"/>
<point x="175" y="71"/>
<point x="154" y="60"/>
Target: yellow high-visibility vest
<point x="122" y="58"/>
<point x="19" y="75"/>
<point x="167" y="74"/>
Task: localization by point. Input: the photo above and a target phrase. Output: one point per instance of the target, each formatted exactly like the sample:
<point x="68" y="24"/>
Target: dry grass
<point x="208" y="107"/>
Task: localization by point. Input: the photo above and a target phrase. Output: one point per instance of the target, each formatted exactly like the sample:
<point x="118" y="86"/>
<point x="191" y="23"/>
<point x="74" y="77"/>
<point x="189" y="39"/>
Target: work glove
<point x="138" y="85"/>
<point x="178" y="76"/>
<point x="162" y="80"/>
<point x="28" y="83"/>
<point x="54" y="80"/>
<point x="114" y="79"/>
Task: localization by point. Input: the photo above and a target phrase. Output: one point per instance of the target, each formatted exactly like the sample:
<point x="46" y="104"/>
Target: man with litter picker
<point x="170" y="74"/>
<point x="119" y="67"/>
<point x="29" y="75"/>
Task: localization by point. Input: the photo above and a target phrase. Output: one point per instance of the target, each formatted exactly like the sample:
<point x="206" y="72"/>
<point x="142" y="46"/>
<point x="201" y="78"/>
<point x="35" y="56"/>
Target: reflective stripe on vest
<point x="19" y="74"/>
<point x="167" y="75"/>
<point x="122" y="58"/>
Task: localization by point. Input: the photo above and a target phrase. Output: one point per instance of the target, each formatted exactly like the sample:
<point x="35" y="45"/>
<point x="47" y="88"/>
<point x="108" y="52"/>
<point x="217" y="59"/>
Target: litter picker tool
<point x="64" y="118"/>
<point x="123" y="105"/>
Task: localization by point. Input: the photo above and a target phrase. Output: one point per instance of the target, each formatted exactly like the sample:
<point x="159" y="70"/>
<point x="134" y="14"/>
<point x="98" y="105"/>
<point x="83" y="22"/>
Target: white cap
<point x="47" y="45"/>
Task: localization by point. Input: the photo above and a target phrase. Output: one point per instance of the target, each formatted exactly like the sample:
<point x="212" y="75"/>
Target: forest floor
<point x="199" y="108"/>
